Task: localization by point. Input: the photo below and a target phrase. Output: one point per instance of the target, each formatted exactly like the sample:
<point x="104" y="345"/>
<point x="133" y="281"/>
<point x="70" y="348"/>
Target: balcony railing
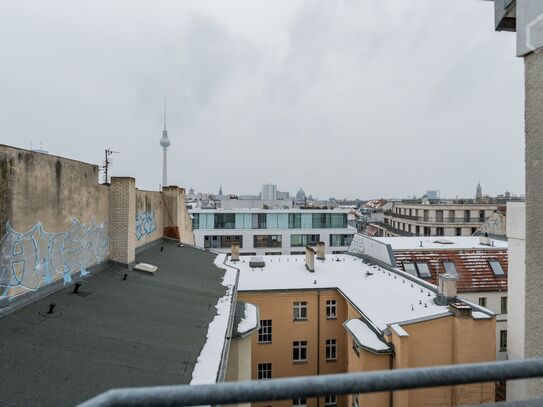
<point x="444" y="219"/>
<point x="319" y="386"/>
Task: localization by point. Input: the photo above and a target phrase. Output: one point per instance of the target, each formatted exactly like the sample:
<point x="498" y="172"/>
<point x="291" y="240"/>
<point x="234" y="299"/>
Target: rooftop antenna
<point x="107" y="163"/>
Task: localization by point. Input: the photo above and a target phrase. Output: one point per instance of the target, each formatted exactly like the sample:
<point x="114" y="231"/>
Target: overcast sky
<point x="345" y="98"/>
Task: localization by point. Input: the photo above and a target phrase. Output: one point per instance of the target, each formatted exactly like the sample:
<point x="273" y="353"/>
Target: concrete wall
<point x="53" y="219"/>
<point x="149" y="217"/>
<point x="363" y="244"/>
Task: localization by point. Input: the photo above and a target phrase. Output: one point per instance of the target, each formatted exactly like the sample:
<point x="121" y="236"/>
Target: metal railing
<point x="318" y="386"/>
<point x="431" y="219"/>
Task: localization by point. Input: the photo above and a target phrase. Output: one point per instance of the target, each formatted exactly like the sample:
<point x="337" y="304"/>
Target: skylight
<point x="410" y="268"/>
<point x="450" y="268"/>
<point x="496" y="267"/>
<point x="424" y="270"/>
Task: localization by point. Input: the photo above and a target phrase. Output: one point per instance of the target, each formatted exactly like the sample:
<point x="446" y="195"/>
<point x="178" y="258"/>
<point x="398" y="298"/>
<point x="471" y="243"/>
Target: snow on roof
<point x="399" y="330"/>
<point x="432" y="242"/>
<point x="249" y="320"/>
<point x="480" y="315"/>
<point x="384" y="297"/>
<point x="365" y="336"/>
<point x="208" y="363"/>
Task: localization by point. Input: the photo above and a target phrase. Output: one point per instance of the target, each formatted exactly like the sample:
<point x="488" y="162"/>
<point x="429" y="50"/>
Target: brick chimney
<point x="321" y="251"/>
<point x="310" y="259"/>
<point x="234" y="251"/>
<point x="446" y="289"/>
<point x="460" y="310"/>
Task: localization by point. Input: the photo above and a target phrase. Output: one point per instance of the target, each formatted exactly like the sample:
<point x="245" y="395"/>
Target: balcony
<point x="439" y="220"/>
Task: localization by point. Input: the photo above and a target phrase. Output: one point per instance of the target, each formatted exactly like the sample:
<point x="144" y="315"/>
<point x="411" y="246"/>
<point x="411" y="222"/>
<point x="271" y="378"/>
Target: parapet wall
<point x="57" y="221"/>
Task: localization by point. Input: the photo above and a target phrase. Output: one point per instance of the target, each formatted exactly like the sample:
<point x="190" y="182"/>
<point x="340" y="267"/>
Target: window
<point x="458" y="231"/>
<point x="424" y="270"/>
<point x="440" y="231"/>
<point x="331" y="308"/>
<point x="299" y="351"/>
<point x="294" y="220"/>
<point x="340" y="240"/>
<point x="410" y="268"/>
<point x="482" y="301"/>
<point x="265" y="331"/>
<point x="259" y="221"/>
<point x="496" y="267"/>
<point x="330" y="401"/>
<point x="450" y="268"/>
<point x="356" y="402"/>
<point x="267" y="241"/>
<point x="504" y="305"/>
<point x="195" y="221"/>
<point x="299" y="310"/>
<point x="299" y="402"/>
<point x="225" y="221"/>
<point x="264" y="371"/>
<point x="304" y="240"/>
<point x="331" y="349"/>
<point x="503" y="340"/>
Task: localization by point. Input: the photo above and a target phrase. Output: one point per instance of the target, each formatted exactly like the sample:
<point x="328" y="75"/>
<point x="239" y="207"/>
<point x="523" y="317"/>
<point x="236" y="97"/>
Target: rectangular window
<point x="330" y="401"/>
<point x="265" y="331"/>
<point x="356" y="402"/>
<point x="225" y="221"/>
<point x="504" y="305"/>
<point x="450" y="268"/>
<point x="440" y="231"/>
<point x="410" y="268"/>
<point x="264" y="371"/>
<point x="299" y="403"/>
<point x="267" y="241"/>
<point x="340" y="240"/>
<point x="294" y="220"/>
<point x="503" y="341"/>
<point x="458" y="231"/>
<point x="331" y="308"/>
<point x="195" y="221"/>
<point x="299" y="310"/>
<point x="331" y="349"/>
<point x="424" y="270"/>
<point x="303" y="240"/>
<point x="299" y="351"/>
<point x="439" y="216"/>
<point x="482" y="301"/>
<point x="496" y="267"/>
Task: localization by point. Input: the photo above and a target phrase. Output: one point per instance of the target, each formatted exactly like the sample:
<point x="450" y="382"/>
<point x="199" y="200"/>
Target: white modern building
<point x="271" y="231"/>
<point x="269" y="192"/>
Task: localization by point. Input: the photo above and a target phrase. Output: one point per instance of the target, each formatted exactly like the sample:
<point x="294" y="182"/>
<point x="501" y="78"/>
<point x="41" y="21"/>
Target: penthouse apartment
<point x="340" y="313"/>
<point x="271" y="231"/>
<point x="435" y="219"/>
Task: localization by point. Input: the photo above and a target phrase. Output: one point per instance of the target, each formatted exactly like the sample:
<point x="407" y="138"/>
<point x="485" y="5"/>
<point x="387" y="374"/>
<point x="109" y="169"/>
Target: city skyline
<point x="310" y="93"/>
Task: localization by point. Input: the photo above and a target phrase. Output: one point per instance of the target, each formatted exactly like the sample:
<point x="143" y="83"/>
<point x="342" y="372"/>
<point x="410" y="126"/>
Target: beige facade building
<point x="350" y="316"/>
<point x="439" y="219"/>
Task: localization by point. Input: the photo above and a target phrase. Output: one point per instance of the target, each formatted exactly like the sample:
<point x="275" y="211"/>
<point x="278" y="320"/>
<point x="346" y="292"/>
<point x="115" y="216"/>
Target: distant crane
<point x="107" y="163"/>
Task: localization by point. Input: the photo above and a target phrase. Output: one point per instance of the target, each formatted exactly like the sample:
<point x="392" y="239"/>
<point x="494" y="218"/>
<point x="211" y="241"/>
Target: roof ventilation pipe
<point x="447" y="289"/>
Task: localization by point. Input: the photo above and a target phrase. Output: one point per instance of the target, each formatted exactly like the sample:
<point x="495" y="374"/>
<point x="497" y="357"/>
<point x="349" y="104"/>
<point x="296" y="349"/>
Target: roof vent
<point x="485" y="241"/>
<point x="257" y="261"/>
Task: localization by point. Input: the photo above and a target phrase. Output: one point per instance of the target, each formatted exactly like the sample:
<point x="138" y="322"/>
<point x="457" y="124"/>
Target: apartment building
<point x="341" y="314"/>
<point x="435" y="219"/>
<point x="272" y="231"/>
<point x="480" y="265"/>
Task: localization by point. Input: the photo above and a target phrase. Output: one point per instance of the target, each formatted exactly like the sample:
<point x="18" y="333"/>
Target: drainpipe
<point x="318" y="336"/>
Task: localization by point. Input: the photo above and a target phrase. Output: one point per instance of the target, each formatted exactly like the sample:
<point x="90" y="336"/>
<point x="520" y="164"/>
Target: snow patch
<point x="480" y="315"/>
<point x="248" y="322"/>
<point x="208" y="362"/>
<point x="364" y="335"/>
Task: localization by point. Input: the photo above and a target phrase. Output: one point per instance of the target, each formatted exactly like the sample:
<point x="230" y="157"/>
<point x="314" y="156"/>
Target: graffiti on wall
<point x="34" y="258"/>
<point x="145" y="223"/>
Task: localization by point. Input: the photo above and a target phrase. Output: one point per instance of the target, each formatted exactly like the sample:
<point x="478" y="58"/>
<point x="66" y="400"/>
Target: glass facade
<point x="340" y="240"/>
<point x="269" y="220"/>
<point x="221" y="242"/>
<point x="267" y="241"/>
<point x="304" y="240"/>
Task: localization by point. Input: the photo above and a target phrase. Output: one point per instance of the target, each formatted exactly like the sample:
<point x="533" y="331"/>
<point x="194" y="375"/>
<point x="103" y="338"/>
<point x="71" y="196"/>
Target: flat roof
<point x="274" y="210"/>
<point x="148" y="330"/>
<point x="383" y="296"/>
<point x="433" y="242"/>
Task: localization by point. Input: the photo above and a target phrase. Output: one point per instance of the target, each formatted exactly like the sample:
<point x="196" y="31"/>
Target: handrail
<point x="317" y="386"/>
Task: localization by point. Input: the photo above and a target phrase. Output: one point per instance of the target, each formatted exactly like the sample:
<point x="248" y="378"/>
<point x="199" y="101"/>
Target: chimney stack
<point x="460" y="310"/>
<point x="310" y="259"/>
<point x="234" y="251"/>
<point x="320" y="251"/>
<point x="446" y="289"/>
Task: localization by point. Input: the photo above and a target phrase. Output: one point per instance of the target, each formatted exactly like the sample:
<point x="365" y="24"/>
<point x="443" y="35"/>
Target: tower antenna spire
<point x="164" y="112"/>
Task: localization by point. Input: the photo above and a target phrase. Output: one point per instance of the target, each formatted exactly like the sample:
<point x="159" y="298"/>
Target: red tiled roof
<point x="472" y="266"/>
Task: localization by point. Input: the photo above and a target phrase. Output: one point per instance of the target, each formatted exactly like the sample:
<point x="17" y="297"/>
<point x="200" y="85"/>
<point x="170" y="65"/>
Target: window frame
<point x="264" y="369"/>
<point x="331" y="350"/>
<point x="299" y="351"/>
<point x="331" y="305"/>
<point x="453" y="272"/>
<point x="503" y="305"/>
<point x="330" y="400"/>
<point x="299" y="308"/>
<point x="483" y="301"/>
<point x="494" y="263"/>
<point x="420" y="273"/>
<point x="503" y="340"/>
<point x="300" y="402"/>
<point x="265" y="331"/>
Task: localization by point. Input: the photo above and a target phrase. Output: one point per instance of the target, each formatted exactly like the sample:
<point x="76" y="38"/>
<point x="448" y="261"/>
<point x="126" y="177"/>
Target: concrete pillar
<point x="534" y="221"/>
<point x="310" y="259"/>
<point x="122" y="220"/>
<point x="321" y="251"/>
<point x="234" y="251"/>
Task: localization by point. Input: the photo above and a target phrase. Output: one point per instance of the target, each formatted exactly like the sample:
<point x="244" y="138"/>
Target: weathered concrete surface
<point x="534" y="221"/>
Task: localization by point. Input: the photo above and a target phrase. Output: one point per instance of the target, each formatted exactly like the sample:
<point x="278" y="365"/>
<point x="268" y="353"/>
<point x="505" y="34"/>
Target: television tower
<point x="165" y="143"/>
